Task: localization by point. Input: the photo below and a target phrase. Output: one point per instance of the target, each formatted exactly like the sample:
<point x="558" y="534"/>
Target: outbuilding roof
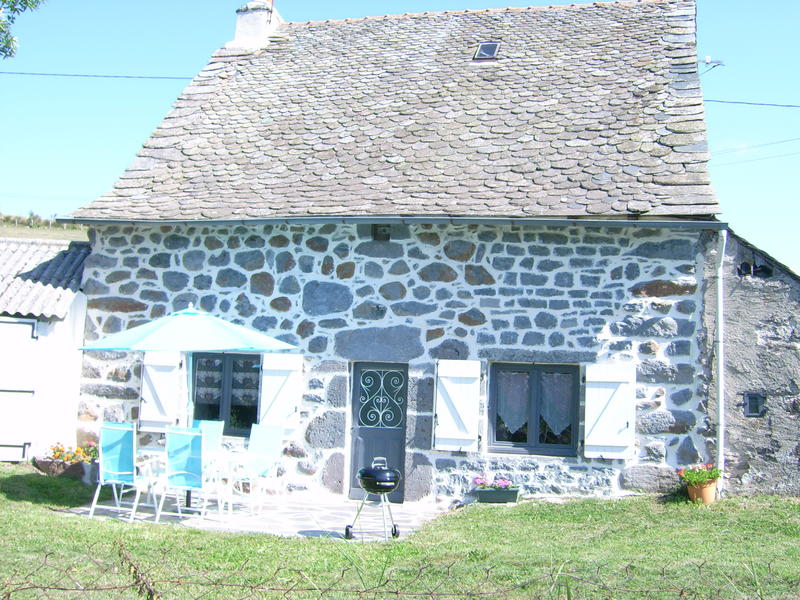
<point x="590" y="110"/>
<point x="40" y="278"/>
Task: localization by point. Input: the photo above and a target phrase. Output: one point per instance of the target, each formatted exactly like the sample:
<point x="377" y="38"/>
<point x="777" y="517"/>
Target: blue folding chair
<point x="117" y="457"/>
<point x="185" y="473"/>
<point x="259" y="462"/>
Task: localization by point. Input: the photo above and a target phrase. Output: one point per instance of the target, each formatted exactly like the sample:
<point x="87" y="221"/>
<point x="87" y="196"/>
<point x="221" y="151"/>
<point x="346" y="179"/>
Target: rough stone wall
<point x="762" y="355"/>
<point x="494" y="293"/>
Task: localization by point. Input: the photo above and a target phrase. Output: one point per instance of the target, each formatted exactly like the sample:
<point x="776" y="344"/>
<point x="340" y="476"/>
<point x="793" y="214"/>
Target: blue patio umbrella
<point x="190" y="330"/>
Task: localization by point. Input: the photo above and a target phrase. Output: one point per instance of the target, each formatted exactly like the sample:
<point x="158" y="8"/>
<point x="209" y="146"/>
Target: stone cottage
<point x="491" y="234"/>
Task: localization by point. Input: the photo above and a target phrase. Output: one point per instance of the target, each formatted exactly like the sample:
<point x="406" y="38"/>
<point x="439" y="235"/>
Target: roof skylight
<point x="486" y="50"/>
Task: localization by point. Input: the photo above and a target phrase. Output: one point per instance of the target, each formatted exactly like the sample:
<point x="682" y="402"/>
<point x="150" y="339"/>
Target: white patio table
<point x="219" y="468"/>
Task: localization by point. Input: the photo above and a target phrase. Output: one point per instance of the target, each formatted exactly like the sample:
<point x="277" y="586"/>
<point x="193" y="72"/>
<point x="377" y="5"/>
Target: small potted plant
<point x="497" y="490"/>
<point x="76" y="463"/>
<point x="60" y="460"/>
<point x="91" y="467"/>
<point x="701" y="482"/>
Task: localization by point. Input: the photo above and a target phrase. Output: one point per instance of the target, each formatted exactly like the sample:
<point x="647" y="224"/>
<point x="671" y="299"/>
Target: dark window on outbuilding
<point x="226" y="388"/>
<point x="755" y="405"/>
<point x="751" y="269"/>
<point x="381" y="233"/>
<point x="486" y="50"/>
<point x="533" y="409"/>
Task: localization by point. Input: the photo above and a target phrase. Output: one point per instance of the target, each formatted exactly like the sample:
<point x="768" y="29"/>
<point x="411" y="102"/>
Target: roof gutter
<point x="384" y="220"/>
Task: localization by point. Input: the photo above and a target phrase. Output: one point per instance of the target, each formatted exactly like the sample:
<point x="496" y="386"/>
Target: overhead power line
<point x="106" y="76"/>
<point x="754" y="146"/>
<point x="749" y="160"/>
<point x="754" y="103"/>
<point x="93" y="76"/>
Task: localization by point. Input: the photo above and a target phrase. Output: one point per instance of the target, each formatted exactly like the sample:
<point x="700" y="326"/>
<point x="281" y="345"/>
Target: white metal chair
<point x="257" y="464"/>
<point x="212" y="442"/>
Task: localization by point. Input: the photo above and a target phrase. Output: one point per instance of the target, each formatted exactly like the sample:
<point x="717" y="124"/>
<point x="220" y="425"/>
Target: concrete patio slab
<point x="298" y="514"/>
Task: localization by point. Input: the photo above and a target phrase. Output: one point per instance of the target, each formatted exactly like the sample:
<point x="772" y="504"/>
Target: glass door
<point x="244" y="393"/>
<point x="208" y="388"/>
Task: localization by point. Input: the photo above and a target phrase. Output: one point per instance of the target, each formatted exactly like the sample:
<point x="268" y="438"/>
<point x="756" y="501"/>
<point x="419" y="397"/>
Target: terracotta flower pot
<point x="704" y="494"/>
<point x="59" y="467"/>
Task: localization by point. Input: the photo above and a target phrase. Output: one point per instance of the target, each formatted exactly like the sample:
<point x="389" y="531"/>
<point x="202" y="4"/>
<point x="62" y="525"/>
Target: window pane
<point x="555" y="408"/>
<point x="244" y="393"/>
<point x="513" y="396"/>
<point x="486" y="50"/>
<point x="207" y="388"/>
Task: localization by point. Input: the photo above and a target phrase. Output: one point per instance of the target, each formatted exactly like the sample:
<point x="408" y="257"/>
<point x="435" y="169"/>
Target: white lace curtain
<point x="556" y="401"/>
<point x="555" y="404"/>
<point x="513" y="393"/>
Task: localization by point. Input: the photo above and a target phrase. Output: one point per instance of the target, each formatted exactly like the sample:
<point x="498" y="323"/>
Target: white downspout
<point x="187" y="365"/>
<point x="721" y="245"/>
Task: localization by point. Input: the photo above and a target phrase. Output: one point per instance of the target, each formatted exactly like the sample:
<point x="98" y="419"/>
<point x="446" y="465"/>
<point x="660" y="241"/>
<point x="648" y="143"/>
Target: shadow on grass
<point x="676" y="496"/>
<point x="37" y="488"/>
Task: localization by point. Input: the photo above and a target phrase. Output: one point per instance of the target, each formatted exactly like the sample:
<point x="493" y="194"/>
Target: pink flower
<point x="498" y="483"/>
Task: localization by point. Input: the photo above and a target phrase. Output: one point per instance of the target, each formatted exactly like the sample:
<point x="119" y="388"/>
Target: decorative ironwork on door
<point x="381" y="399"/>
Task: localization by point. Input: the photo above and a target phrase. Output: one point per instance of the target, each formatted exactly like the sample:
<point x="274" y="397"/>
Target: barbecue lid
<point x="379" y="473"/>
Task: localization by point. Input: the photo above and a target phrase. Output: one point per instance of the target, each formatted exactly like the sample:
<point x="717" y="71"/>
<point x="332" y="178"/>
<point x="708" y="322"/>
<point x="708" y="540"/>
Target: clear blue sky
<point x="65" y="140"/>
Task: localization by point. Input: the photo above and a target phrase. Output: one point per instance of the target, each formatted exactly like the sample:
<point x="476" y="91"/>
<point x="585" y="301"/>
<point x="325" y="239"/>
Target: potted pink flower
<point x="498" y="489"/>
<point x="701" y="482"/>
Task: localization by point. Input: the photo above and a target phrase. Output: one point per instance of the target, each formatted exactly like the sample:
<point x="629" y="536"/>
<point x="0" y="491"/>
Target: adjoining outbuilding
<point x="42" y="316"/>
<point x="761" y="414"/>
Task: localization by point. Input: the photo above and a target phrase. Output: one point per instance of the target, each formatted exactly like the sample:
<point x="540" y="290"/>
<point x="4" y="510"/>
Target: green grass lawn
<point x="641" y="547"/>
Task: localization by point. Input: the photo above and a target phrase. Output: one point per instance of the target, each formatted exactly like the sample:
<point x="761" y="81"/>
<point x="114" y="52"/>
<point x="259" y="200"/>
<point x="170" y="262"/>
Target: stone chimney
<point x="255" y="21"/>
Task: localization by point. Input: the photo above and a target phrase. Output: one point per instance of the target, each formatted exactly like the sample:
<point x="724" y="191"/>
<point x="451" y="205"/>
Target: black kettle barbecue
<point x="381" y="480"/>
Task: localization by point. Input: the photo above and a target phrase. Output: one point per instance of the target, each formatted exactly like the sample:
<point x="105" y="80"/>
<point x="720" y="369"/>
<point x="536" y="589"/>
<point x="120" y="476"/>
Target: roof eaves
<point x="695" y="222"/>
<point x="46" y="289"/>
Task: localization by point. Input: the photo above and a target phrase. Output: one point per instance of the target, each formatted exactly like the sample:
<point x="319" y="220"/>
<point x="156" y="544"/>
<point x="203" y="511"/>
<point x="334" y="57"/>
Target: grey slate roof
<point x="40" y="278"/>
<point x="590" y="110"/>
